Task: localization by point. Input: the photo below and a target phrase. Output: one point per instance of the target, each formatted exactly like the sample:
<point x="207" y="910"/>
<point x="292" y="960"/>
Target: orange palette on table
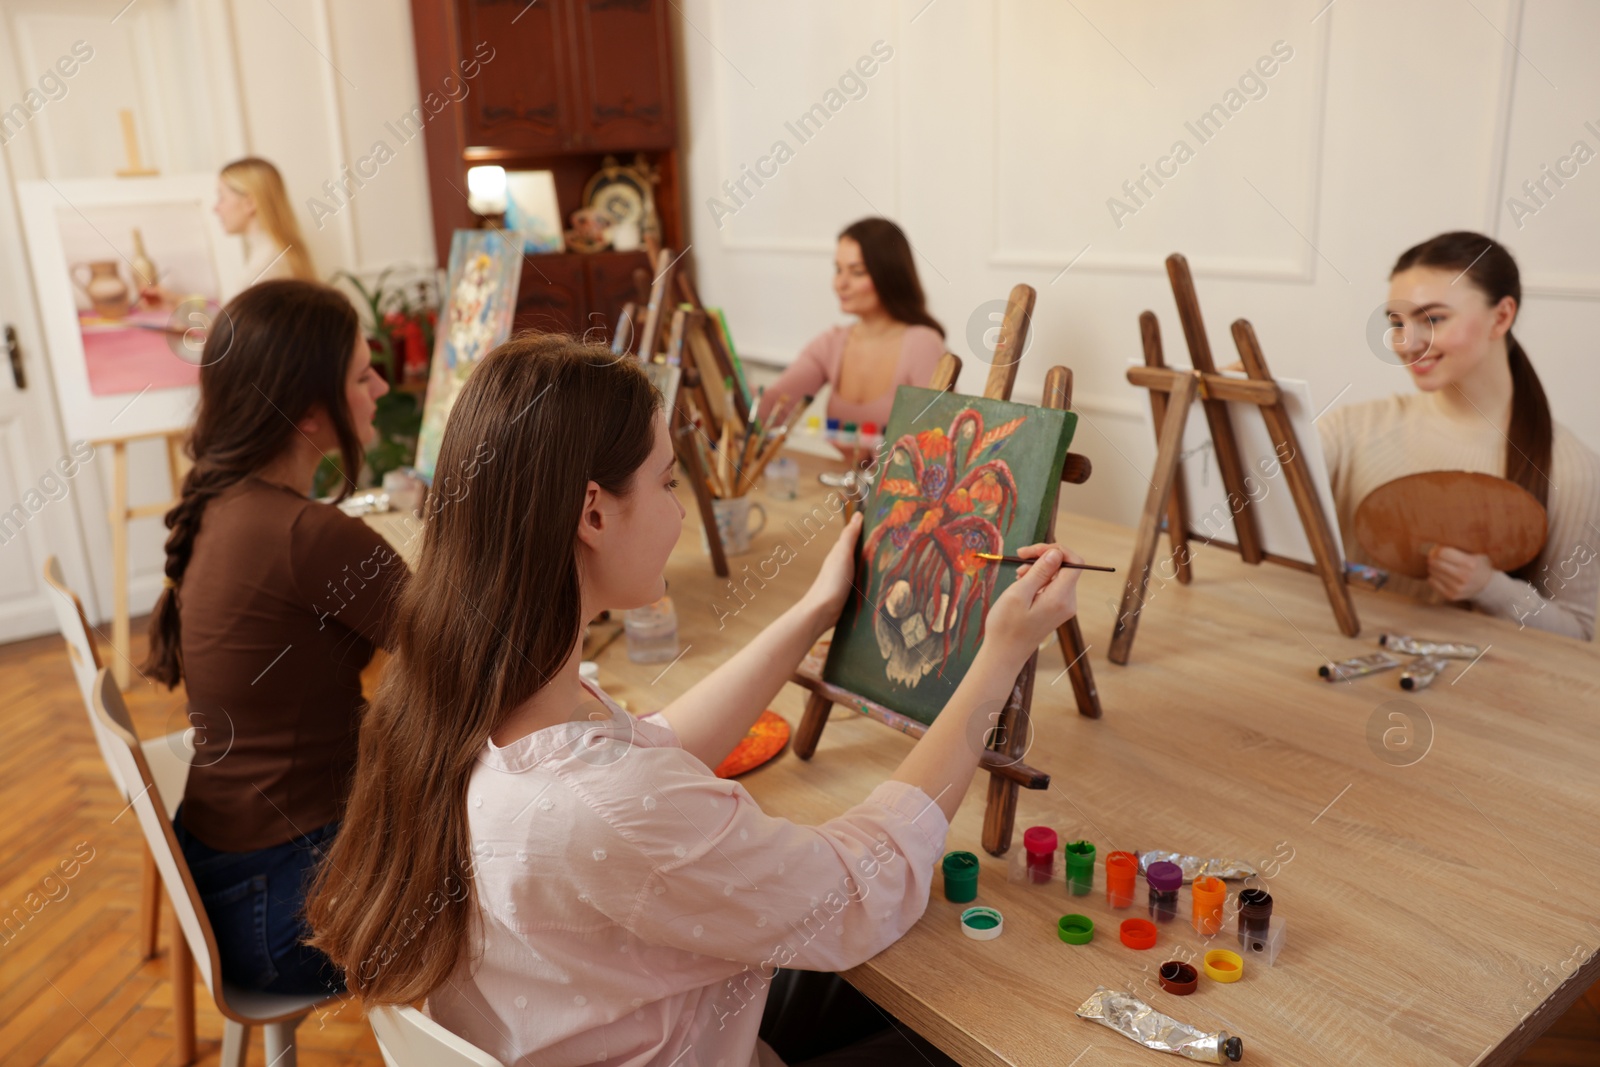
<point x="764" y="741"/>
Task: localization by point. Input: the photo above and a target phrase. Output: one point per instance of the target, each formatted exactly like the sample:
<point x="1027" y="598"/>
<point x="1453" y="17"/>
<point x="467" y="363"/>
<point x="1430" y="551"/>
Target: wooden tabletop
<point x="1439" y="910"/>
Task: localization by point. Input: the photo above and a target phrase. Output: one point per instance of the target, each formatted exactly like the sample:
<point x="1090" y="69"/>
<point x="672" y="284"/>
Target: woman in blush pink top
<point x="893" y="342"/>
<point x="565" y="884"/>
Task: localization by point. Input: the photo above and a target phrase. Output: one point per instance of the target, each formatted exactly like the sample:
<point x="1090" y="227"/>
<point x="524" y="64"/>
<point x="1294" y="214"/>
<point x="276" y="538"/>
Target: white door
<point x="60" y="126"/>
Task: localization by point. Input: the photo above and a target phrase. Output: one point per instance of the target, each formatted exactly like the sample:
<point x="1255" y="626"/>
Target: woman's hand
<point x="1458" y="575"/>
<point x="1044" y="596"/>
<point x="834" y="581"/>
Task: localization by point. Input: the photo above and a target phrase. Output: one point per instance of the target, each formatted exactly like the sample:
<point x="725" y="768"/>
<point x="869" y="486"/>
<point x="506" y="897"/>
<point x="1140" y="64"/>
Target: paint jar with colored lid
<point x="1209" y="895"/>
<point x="1164" y="879"/>
<point x="1039" y="846"/>
<point x="1122" y="871"/>
<point x="1080" y="867"/>
<point x="960" y="877"/>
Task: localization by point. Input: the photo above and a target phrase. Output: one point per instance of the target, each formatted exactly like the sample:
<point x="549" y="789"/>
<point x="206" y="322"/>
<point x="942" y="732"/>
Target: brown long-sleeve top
<point x="281" y="606"/>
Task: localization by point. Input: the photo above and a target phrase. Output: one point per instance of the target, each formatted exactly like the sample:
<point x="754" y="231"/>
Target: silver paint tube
<point x="1416" y="646"/>
<point x="1196" y="866"/>
<point x="1421" y="672"/>
<point x="1357" y="667"/>
<point x="1133" y="1018"/>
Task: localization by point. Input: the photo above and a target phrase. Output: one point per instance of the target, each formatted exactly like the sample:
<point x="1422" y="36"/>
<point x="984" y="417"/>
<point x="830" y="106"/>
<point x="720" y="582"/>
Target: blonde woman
<point x="251" y="203"/>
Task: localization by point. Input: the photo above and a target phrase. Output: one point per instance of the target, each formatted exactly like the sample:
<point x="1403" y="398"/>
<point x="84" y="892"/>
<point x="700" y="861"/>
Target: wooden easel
<point x="1172" y="392"/>
<point x="120" y="514"/>
<point x="701" y="403"/>
<point x="1008" y="741"/>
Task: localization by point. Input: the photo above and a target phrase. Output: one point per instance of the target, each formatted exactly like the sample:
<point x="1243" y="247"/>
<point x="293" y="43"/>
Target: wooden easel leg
<point x="809" y="732"/>
<point x="1144" y="549"/>
<point x="1000" y="817"/>
<point x="1177" y="506"/>
<point x="120" y="636"/>
<point x="1012" y="738"/>
<point x="1076" y="656"/>
<point x="690" y="458"/>
<point x="1324" y="548"/>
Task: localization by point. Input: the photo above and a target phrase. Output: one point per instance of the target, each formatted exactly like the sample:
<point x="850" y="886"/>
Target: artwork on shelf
<point x="480" y="298"/>
<point x="960" y="475"/>
<point x="532" y="212"/>
<point x="129" y="275"/>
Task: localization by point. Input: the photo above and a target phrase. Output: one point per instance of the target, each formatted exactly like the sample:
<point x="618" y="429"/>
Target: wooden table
<point x="1440" y="912"/>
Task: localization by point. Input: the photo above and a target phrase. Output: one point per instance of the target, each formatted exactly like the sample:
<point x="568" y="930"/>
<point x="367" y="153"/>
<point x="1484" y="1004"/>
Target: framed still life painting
<point x="129" y="275"/>
<point x="958" y="475"/>
<point x="480" y="299"/>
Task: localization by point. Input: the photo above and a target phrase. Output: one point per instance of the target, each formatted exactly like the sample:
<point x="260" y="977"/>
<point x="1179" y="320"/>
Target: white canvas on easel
<point x="1278" y="521"/>
<point x="71" y="221"/>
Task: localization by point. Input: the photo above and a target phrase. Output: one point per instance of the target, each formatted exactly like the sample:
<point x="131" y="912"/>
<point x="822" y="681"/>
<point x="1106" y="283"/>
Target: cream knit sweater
<point x="1369" y="444"/>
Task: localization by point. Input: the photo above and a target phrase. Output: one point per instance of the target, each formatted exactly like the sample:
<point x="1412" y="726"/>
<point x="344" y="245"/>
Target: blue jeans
<point x="256" y="904"/>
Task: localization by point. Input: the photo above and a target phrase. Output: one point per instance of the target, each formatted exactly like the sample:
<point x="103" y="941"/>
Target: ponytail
<point x="278" y="350"/>
<point x="1530" y="439"/>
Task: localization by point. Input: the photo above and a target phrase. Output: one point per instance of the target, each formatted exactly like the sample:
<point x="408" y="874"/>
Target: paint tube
<point x="1133" y="1018"/>
<point x="1416" y="646"/>
<point x="1357" y="667"/>
<point x="1421" y="672"/>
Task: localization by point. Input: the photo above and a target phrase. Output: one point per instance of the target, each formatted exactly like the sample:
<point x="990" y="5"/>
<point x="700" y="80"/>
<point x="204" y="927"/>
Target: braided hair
<point x="279" y="351"/>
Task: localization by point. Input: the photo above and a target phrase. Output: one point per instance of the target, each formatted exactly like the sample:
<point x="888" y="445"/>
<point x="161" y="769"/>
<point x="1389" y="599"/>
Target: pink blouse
<point x="818" y="365"/>
<point x="633" y="907"/>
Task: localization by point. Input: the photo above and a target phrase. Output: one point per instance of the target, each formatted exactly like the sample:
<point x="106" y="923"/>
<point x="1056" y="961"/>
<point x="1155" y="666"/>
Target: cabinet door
<point x="520" y="98"/>
<point x="612" y="283"/>
<point x="625" y="84"/>
<point x="550" y="297"/>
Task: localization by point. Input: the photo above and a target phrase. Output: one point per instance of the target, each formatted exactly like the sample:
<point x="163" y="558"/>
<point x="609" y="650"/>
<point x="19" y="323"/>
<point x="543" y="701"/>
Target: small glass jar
<point x="652" y="632"/>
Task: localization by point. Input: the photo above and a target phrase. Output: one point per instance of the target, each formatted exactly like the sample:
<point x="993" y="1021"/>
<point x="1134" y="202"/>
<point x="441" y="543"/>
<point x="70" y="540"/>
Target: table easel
<point x="702" y="403"/>
<point x="120" y="514"/>
<point x="1172" y="391"/>
<point x="1008" y="740"/>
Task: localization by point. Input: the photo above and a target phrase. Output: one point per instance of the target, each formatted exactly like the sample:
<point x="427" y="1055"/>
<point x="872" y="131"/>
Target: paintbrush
<point x="1019" y="559"/>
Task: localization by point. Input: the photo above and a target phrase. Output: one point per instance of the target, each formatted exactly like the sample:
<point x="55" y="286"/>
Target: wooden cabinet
<point x="578" y="294"/>
<point x="521" y="100"/>
<point x="624" y="74"/>
<point x="567" y="84"/>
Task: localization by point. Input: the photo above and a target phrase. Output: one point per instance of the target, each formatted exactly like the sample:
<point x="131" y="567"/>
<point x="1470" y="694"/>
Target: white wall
<point x="997" y="132"/>
<point x="308" y="84"/>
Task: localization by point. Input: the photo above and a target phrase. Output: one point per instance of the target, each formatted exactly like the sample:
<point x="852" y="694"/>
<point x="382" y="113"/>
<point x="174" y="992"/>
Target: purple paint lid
<point x="1164" y="877"/>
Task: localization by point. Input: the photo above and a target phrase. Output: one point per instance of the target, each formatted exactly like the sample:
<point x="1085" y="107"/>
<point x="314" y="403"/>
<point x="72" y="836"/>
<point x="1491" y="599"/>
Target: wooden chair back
<point x="128" y="761"/>
<point x="408" y="1038"/>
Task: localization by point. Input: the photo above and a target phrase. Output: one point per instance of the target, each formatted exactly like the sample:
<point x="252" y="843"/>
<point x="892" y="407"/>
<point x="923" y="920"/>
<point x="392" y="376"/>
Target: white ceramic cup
<point x="733" y="523"/>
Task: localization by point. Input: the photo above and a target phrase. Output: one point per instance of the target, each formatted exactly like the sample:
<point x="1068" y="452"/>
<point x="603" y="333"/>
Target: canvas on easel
<point x="962" y="475"/>
<point x="1174" y="394"/>
<point x="480" y="301"/>
<point x="1007" y="732"/>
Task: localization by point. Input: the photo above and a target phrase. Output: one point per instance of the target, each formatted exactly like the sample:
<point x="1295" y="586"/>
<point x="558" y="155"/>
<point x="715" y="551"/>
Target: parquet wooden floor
<point x="72" y="988"/>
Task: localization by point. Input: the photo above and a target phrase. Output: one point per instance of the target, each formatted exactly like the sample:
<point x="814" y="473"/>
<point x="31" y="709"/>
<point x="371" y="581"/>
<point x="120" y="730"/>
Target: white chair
<point x="169" y="757"/>
<point x="277" y="1015"/>
<point x="408" y="1038"/>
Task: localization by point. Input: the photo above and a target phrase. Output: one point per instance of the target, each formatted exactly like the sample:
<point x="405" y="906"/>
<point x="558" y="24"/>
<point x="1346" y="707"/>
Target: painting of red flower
<point x="971" y="475"/>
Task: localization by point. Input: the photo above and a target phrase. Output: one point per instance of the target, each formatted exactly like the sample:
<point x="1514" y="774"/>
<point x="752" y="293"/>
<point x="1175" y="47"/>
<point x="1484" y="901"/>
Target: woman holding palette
<point x="1479" y="407"/>
<point x="893" y="342"/>
<point x="564" y="883"/>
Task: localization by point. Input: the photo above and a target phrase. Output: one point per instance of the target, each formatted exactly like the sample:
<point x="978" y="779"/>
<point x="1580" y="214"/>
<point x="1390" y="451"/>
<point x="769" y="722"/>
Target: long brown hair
<point x="1489" y="267"/>
<point x="490" y="614"/>
<point x="887" y="256"/>
<point x="278" y="350"/>
<point x="260" y="181"/>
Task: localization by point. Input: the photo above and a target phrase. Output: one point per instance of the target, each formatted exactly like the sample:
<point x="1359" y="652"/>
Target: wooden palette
<point x="1477" y="513"/>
